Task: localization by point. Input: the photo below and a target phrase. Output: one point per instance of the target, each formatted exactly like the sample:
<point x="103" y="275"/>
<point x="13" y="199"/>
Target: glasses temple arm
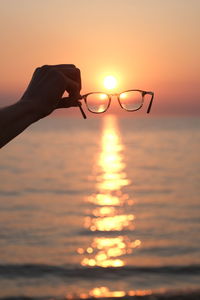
<point x="150" y="104"/>
<point x="82" y="112"/>
<point x="81" y="109"/>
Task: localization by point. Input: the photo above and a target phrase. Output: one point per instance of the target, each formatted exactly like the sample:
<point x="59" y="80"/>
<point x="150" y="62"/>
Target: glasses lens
<point x="131" y="100"/>
<point x="97" y="102"/>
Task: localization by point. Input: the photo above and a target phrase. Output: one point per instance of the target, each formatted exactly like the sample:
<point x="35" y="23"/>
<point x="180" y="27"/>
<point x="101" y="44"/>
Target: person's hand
<point x="47" y="86"/>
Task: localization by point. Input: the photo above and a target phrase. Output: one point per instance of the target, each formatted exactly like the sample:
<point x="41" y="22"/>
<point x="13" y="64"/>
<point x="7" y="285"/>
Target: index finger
<point x="65" y="66"/>
<point x="72" y="72"/>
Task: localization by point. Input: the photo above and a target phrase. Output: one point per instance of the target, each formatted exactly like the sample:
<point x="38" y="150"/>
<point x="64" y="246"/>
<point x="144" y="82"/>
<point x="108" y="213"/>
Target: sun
<point x="110" y="82"/>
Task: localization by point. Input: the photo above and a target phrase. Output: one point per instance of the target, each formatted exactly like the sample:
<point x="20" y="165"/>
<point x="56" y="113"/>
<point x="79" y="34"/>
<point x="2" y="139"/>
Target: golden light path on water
<point x="109" y="216"/>
<point x="104" y="292"/>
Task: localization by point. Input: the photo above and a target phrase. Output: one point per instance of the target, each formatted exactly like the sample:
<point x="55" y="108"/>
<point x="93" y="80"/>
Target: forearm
<point x="14" y="119"/>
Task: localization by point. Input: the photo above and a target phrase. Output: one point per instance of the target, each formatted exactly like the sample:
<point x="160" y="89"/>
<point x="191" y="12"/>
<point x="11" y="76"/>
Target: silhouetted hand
<point x="44" y="93"/>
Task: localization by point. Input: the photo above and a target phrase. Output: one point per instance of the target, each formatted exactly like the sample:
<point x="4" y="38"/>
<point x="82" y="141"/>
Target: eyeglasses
<point x="130" y="100"/>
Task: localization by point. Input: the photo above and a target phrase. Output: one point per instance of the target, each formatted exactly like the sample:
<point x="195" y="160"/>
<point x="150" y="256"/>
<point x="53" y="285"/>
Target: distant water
<point x="102" y="207"/>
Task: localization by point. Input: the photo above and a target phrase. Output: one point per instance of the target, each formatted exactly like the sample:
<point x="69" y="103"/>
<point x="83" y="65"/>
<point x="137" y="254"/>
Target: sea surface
<point x="103" y="207"/>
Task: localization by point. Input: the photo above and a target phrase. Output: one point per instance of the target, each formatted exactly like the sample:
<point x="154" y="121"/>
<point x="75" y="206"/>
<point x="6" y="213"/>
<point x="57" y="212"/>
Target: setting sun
<point x="110" y="82"/>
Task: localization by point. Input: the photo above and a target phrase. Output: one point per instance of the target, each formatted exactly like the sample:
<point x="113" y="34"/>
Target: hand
<point x="44" y="93"/>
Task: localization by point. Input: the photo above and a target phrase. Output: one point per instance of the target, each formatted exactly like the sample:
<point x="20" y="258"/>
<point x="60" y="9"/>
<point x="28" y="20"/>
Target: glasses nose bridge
<point x="114" y="95"/>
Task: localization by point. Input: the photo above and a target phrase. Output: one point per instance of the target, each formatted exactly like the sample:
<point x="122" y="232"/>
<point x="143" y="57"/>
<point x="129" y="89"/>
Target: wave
<point x="11" y="271"/>
<point x="166" y="295"/>
<point x="46" y="191"/>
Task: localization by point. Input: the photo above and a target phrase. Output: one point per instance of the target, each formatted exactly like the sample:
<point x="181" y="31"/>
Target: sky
<point x="146" y="44"/>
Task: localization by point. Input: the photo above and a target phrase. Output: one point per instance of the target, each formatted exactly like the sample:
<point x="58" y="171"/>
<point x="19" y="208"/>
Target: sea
<point x="106" y="207"/>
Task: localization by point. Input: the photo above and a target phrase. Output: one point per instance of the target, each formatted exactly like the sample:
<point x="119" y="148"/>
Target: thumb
<point x="68" y="102"/>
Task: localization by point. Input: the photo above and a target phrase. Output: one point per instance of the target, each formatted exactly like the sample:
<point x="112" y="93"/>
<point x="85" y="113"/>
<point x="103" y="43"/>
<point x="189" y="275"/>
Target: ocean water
<point x="103" y="207"/>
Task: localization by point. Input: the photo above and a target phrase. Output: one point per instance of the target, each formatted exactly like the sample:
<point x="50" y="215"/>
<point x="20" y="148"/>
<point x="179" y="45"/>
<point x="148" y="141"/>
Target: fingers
<point x="68" y="70"/>
<point x="68" y="102"/>
<point x="63" y="66"/>
<point x="70" y="73"/>
<point x="72" y="87"/>
<point x="66" y="66"/>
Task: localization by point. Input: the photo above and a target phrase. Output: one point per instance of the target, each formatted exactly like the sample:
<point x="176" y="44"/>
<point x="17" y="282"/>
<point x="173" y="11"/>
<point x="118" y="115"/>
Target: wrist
<point x="14" y="119"/>
<point x="28" y="109"/>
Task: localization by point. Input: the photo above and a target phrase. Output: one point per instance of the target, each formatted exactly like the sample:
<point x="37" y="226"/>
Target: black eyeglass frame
<point x="118" y="98"/>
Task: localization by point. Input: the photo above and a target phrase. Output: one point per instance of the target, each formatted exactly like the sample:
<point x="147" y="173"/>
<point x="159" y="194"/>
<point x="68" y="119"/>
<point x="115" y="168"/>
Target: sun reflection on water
<point x="104" y="292"/>
<point x="109" y="214"/>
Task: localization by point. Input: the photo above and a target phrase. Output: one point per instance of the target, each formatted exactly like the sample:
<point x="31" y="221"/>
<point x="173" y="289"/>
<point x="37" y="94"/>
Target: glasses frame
<point x="118" y="97"/>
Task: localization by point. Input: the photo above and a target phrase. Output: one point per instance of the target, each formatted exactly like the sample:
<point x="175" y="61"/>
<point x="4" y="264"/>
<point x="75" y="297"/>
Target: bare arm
<point x="14" y="119"/>
<point x="43" y="95"/>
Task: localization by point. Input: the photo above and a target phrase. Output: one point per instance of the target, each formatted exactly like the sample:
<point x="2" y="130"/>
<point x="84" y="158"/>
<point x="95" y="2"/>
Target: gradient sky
<point x="147" y="44"/>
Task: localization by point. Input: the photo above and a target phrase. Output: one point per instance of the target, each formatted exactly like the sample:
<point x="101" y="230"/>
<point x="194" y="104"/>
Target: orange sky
<point x="149" y="44"/>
